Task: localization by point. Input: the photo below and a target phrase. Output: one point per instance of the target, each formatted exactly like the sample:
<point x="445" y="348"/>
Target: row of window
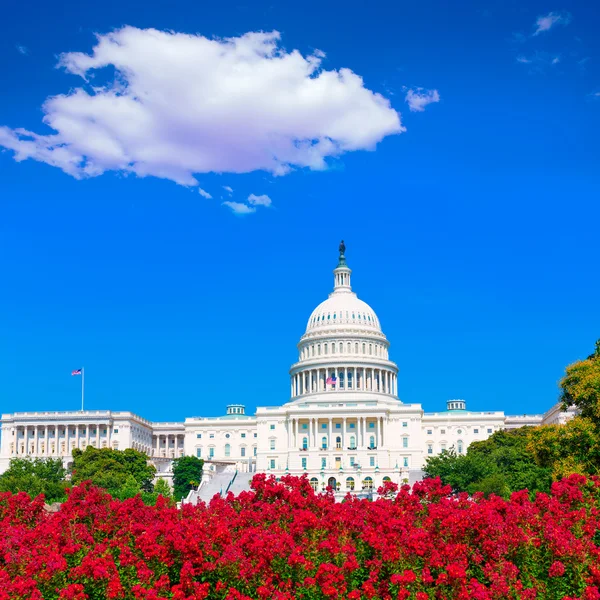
<point x="444" y="446"/>
<point x="349" y="315"/>
<point x="227" y="435"/>
<point x="370" y="425"/>
<point x="338" y="348"/>
<point x="460" y="431"/>
<point x="227" y="451"/>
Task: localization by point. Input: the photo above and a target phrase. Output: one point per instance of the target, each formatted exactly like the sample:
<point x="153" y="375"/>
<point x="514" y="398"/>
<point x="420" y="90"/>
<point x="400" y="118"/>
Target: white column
<point x="346" y="377"/>
<point x="330" y="436"/>
<point x="344" y="434"/>
<point x="87" y="435"/>
<point x="379" y="436"/>
<point x="46" y="447"/>
<point x="295" y="427"/>
<point x="337" y="379"/>
<point x="355" y="377"/>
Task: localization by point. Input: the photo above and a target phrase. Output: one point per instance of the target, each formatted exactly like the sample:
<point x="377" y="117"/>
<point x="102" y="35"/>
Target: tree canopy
<point x="110" y="469"/>
<point x="187" y="473"/>
<point x="581" y="387"/>
<point x="501" y="465"/>
<point x="35" y="476"/>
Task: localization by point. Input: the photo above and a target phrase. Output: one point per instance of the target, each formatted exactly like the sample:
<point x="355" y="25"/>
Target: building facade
<point x="343" y="426"/>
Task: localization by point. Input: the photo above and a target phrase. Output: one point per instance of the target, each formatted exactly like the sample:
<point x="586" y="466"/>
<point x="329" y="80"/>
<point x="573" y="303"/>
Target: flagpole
<point x="82" y="386"/>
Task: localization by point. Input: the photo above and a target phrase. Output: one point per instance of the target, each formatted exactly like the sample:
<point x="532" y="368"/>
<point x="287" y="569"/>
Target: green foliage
<point x="501" y="464"/>
<point x="161" y="488"/>
<point x="187" y="473"/>
<point x="35" y="476"/>
<point x="113" y="470"/>
<point x="570" y="448"/>
<point x="581" y="387"/>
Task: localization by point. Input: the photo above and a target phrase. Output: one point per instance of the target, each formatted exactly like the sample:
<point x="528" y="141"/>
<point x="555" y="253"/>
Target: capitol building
<point x="343" y="426"/>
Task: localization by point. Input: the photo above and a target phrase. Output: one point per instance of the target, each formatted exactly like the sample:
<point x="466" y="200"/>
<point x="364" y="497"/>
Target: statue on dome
<point x="342" y="248"/>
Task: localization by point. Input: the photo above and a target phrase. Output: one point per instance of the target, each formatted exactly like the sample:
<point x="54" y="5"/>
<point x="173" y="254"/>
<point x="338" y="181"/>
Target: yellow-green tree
<point x="581" y="386"/>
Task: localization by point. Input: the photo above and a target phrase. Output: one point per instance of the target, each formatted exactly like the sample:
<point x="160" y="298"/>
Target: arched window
<point x="368" y="483"/>
<point x="370" y="348"/>
<point x="319" y="349"/>
<point x="356" y="348"/>
<point x="338" y="442"/>
<point x="314" y="483"/>
<point x="227" y="450"/>
<point x="333" y="348"/>
<point x="352" y="442"/>
<point x="305" y="443"/>
<point x="459" y="446"/>
<point x="350" y="483"/>
<point x="324" y="443"/>
<point x="372" y="441"/>
<point x="386" y="479"/>
<point x="325" y="348"/>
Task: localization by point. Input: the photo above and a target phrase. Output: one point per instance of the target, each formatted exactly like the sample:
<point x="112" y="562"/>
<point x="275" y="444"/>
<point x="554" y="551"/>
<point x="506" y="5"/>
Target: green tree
<point x="581" y="387"/>
<point x="570" y="448"/>
<point x="109" y="469"/>
<point x="35" y="476"/>
<point x="187" y="473"/>
<point x="501" y="464"/>
<point x="161" y="488"/>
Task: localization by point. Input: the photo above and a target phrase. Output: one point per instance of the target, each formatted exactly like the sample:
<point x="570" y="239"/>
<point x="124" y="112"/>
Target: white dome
<point x="342" y="309"/>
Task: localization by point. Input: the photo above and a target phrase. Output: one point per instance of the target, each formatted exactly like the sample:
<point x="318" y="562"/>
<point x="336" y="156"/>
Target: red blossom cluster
<point x="282" y="541"/>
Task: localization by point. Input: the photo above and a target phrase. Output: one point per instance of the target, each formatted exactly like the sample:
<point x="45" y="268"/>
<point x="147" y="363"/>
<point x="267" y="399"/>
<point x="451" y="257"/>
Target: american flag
<point x="76" y="372"/>
<point x="331" y="380"/>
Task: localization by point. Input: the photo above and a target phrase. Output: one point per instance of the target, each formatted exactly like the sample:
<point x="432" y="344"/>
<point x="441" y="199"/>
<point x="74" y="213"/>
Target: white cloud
<point x="546" y="22"/>
<point x="23" y="49"/>
<point x="228" y="189"/>
<point x="539" y="61"/>
<point x="418" y="99"/>
<point x="262" y="200"/>
<point x="204" y="194"/>
<point x="239" y="208"/>
<point x="184" y="104"/>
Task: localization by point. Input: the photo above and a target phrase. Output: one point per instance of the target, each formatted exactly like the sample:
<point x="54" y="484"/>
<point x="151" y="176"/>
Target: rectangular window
<point x="442" y="431"/>
<point x="338" y="425"/>
<point x="352" y="425"/>
<point x="404" y="423"/>
<point x="324" y="426"/>
<point x="304" y="463"/>
<point x="475" y="430"/>
<point x="443" y="446"/>
<point x="272" y="463"/>
<point x="406" y="461"/>
<point x="430" y="432"/>
<point x="272" y="446"/>
<point x="338" y="462"/>
<point x="198" y="435"/>
<point x="405" y="442"/>
<point x="211" y="436"/>
<point x="114" y="431"/>
<point x="272" y="426"/>
<point x="243" y="435"/>
<point x="323" y="462"/>
<point x="211" y="452"/>
<point x="255" y="435"/>
<point x="429" y="448"/>
<point x="371" y="461"/>
<point x="489" y="431"/>
<point x="371" y="425"/>
<point x="254" y="450"/>
<point x="304" y="425"/>
<point x="199" y="452"/>
<point x="243" y="451"/>
<point x="352" y="461"/>
<point x="103" y="431"/>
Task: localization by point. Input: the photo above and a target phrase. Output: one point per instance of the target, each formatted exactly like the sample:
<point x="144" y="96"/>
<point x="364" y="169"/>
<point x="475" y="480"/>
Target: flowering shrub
<point x="282" y="541"/>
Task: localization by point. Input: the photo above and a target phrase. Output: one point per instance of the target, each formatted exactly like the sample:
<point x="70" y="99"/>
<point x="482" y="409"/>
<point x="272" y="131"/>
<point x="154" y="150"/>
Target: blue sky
<point x="473" y="233"/>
